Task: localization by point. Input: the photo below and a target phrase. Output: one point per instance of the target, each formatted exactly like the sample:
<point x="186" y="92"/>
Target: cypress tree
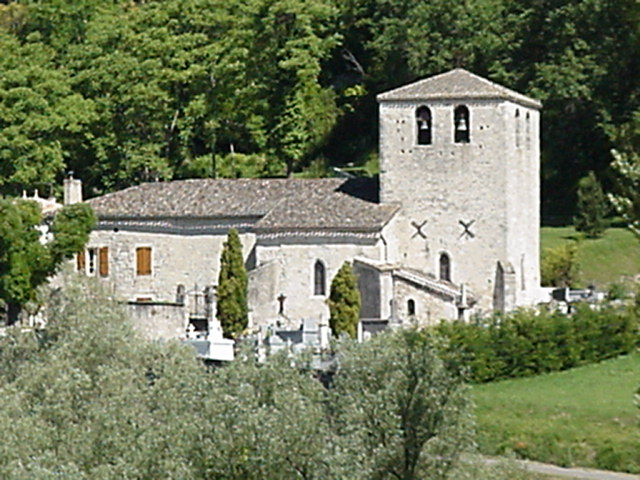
<point x="232" y="309"/>
<point x="344" y="302"/>
<point x="592" y="207"/>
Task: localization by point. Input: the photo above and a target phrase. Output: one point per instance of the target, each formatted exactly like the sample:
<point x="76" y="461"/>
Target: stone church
<point x="450" y="228"/>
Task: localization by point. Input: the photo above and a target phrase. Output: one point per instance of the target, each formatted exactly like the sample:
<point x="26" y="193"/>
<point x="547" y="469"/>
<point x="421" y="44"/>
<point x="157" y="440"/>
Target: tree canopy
<point x="124" y="92"/>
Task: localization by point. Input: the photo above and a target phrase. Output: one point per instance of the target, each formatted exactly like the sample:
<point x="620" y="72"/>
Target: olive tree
<point x="399" y="412"/>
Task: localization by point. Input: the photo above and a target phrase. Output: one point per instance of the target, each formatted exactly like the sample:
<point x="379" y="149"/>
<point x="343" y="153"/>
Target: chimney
<point x="72" y="190"/>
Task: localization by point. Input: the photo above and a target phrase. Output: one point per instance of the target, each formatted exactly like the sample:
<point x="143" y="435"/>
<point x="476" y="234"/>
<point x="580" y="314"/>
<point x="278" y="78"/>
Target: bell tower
<point x="461" y="155"/>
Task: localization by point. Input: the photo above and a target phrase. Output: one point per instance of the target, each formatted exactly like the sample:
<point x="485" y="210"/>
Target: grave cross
<point x="281" y="300"/>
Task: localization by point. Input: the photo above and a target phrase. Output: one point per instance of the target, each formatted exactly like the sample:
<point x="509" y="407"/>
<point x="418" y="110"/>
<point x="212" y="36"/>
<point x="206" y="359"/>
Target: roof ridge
<point x="456" y="84"/>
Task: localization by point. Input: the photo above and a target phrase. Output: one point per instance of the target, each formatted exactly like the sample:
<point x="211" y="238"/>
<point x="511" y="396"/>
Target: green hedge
<point x="528" y="342"/>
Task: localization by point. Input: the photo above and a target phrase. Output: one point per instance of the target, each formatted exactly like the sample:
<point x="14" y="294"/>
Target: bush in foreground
<point x="87" y="399"/>
<point x="399" y="412"/>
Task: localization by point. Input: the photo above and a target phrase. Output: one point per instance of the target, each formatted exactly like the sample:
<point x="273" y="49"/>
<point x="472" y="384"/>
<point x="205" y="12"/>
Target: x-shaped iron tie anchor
<point x="418" y="227"/>
<point x="467" y="229"/>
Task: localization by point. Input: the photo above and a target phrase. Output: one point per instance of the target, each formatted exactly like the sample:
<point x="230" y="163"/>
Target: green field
<point x="612" y="258"/>
<point x="581" y="417"/>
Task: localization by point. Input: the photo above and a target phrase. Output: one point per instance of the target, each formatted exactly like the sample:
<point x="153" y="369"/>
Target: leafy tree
<point x="344" y="302"/>
<point x="399" y="412"/>
<point x="25" y="262"/>
<point x="70" y="228"/>
<point x="592" y="207"/>
<point x="41" y="118"/>
<point x="232" y="309"/>
<point x="626" y="165"/>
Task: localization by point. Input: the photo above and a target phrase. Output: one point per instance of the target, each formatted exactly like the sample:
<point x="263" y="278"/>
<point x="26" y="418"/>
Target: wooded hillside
<point x="122" y="92"/>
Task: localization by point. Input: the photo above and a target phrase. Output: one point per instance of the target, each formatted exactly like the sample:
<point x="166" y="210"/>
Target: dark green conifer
<point x="232" y="310"/>
<point x="344" y="302"/>
<point x="591" y="207"/>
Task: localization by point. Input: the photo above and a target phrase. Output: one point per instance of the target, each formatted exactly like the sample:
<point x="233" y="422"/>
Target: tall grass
<point x="585" y="416"/>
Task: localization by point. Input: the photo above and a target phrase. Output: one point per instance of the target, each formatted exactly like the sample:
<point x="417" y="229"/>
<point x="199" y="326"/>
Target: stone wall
<point x="176" y="259"/>
<point x="429" y="308"/>
<point x="476" y="202"/>
<point x="285" y="266"/>
<point x="156" y="321"/>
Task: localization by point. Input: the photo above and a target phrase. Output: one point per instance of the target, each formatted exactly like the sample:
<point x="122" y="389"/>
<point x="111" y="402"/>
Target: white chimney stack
<point x="72" y="190"/>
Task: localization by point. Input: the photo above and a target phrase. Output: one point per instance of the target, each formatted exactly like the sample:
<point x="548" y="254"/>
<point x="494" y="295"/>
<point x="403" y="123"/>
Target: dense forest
<point x="126" y="91"/>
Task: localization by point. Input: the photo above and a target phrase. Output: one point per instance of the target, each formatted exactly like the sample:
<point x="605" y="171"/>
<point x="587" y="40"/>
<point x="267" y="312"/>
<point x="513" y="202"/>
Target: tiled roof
<point x="277" y="204"/>
<point x="456" y="84"/>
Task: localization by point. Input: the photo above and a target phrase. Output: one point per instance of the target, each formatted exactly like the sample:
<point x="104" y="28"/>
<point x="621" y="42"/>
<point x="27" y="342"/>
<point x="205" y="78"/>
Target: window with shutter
<point x="143" y="260"/>
<point x="80" y="261"/>
<point x="103" y="261"/>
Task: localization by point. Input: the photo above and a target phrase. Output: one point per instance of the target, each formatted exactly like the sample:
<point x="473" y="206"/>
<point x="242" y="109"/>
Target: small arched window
<point x="461" y="124"/>
<point x="445" y="267"/>
<point x="180" y="294"/>
<point x="411" y="307"/>
<point x="423" y="125"/>
<point x="319" y="278"/>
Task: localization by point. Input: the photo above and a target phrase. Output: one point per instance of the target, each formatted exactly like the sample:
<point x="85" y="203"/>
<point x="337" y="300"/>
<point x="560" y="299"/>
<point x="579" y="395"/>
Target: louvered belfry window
<point x="143" y="261"/>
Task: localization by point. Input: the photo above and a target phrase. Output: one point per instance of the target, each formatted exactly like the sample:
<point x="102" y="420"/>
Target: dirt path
<point x="574" y="473"/>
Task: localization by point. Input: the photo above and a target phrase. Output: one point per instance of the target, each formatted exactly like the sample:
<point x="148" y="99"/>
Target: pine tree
<point x="232" y="309"/>
<point x="344" y="302"/>
<point x="592" y="207"/>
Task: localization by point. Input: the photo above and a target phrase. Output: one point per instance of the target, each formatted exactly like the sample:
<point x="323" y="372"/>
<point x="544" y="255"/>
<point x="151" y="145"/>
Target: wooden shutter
<point x="103" y="261"/>
<point x="81" y="261"/>
<point x="143" y="260"/>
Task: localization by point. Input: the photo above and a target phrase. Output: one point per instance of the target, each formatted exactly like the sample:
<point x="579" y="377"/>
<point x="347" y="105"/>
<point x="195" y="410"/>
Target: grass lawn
<point x="581" y="417"/>
<point x="602" y="261"/>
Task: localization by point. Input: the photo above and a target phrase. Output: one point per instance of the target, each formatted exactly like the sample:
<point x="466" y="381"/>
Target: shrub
<point x="559" y="267"/>
<point x="617" y="291"/>
<point x="528" y="342"/>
